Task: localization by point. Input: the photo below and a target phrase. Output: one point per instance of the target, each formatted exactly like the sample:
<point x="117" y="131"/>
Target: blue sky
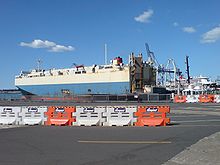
<point x="62" y="32"/>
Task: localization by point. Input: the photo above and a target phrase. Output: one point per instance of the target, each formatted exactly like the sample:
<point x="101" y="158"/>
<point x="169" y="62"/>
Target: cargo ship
<point x="114" y="78"/>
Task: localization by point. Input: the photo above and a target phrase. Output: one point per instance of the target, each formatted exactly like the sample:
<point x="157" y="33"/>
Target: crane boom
<point x="151" y="58"/>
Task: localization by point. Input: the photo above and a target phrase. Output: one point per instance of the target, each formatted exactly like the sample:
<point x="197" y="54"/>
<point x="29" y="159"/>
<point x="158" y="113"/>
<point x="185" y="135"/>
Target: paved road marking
<point x="194" y="121"/>
<point x="190" y="115"/>
<point x="201" y="108"/>
<point x="202" y="125"/>
<point x="123" y="142"/>
<point x="195" y="108"/>
<point x="214" y="106"/>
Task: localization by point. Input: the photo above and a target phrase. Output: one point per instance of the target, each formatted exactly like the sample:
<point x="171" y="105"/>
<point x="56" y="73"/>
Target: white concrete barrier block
<point x="89" y="115"/>
<point x="120" y="115"/>
<point x="10" y="115"/>
<point x="192" y="98"/>
<point x="33" y="115"/>
<point x="217" y="99"/>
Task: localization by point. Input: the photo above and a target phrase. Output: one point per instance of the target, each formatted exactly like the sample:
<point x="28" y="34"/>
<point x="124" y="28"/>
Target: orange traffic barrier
<point x="206" y="98"/>
<point x="60" y="115"/>
<point x="152" y="116"/>
<point x="179" y="99"/>
<point x="212" y="97"/>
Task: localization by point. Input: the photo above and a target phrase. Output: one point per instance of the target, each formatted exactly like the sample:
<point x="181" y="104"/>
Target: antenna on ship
<point x="106" y="54"/>
<point x="39" y="61"/>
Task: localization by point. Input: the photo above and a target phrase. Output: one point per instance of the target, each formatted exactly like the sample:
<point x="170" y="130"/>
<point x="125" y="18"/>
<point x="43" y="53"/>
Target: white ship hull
<point x="106" y="82"/>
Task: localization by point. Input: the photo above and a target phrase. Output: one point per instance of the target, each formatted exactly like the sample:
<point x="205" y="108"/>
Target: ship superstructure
<point x="115" y="78"/>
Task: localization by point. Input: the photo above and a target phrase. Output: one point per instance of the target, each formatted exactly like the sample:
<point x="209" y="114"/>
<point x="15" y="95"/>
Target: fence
<point x="108" y="98"/>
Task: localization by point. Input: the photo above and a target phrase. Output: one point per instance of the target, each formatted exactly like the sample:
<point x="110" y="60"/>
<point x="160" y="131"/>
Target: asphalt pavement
<point x="51" y="145"/>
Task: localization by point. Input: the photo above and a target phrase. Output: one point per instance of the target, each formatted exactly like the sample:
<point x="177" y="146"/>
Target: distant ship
<point x="199" y="85"/>
<point x="115" y="78"/>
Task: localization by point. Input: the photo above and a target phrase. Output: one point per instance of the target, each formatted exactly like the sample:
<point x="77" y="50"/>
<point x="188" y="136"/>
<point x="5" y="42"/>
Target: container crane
<point x="151" y="58"/>
<point x="170" y="71"/>
<point x="152" y="61"/>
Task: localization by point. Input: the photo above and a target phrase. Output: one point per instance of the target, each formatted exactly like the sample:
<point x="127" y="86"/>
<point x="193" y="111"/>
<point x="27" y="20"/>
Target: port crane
<point x="165" y="73"/>
<point x="172" y="73"/>
<point x="152" y="61"/>
<point x="151" y="57"/>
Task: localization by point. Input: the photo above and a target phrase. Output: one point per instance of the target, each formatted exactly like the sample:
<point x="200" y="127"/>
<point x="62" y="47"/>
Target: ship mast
<point x="39" y="61"/>
<point x="106" y="53"/>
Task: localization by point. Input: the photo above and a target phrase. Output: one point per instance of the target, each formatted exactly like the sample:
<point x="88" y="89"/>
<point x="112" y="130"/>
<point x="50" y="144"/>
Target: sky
<point x="63" y="32"/>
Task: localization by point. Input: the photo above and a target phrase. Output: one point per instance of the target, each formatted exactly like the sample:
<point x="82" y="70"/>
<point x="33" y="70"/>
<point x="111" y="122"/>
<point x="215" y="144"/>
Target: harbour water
<point x="10" y="94"/>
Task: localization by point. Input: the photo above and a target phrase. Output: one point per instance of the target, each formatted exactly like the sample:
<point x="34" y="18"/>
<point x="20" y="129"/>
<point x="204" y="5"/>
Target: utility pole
<point x="187" y="69"/>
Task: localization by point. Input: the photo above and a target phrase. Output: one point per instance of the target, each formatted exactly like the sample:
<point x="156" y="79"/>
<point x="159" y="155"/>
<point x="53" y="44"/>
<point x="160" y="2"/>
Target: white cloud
<point x="175" y="24"/>
<point x="38" y="44"/>
<point x="145" y="16"/>
<point x="51" y="46"/>
<point x="61" y="48"/>
<point x="189" y="29"/>
<point x="211" y="36"/>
